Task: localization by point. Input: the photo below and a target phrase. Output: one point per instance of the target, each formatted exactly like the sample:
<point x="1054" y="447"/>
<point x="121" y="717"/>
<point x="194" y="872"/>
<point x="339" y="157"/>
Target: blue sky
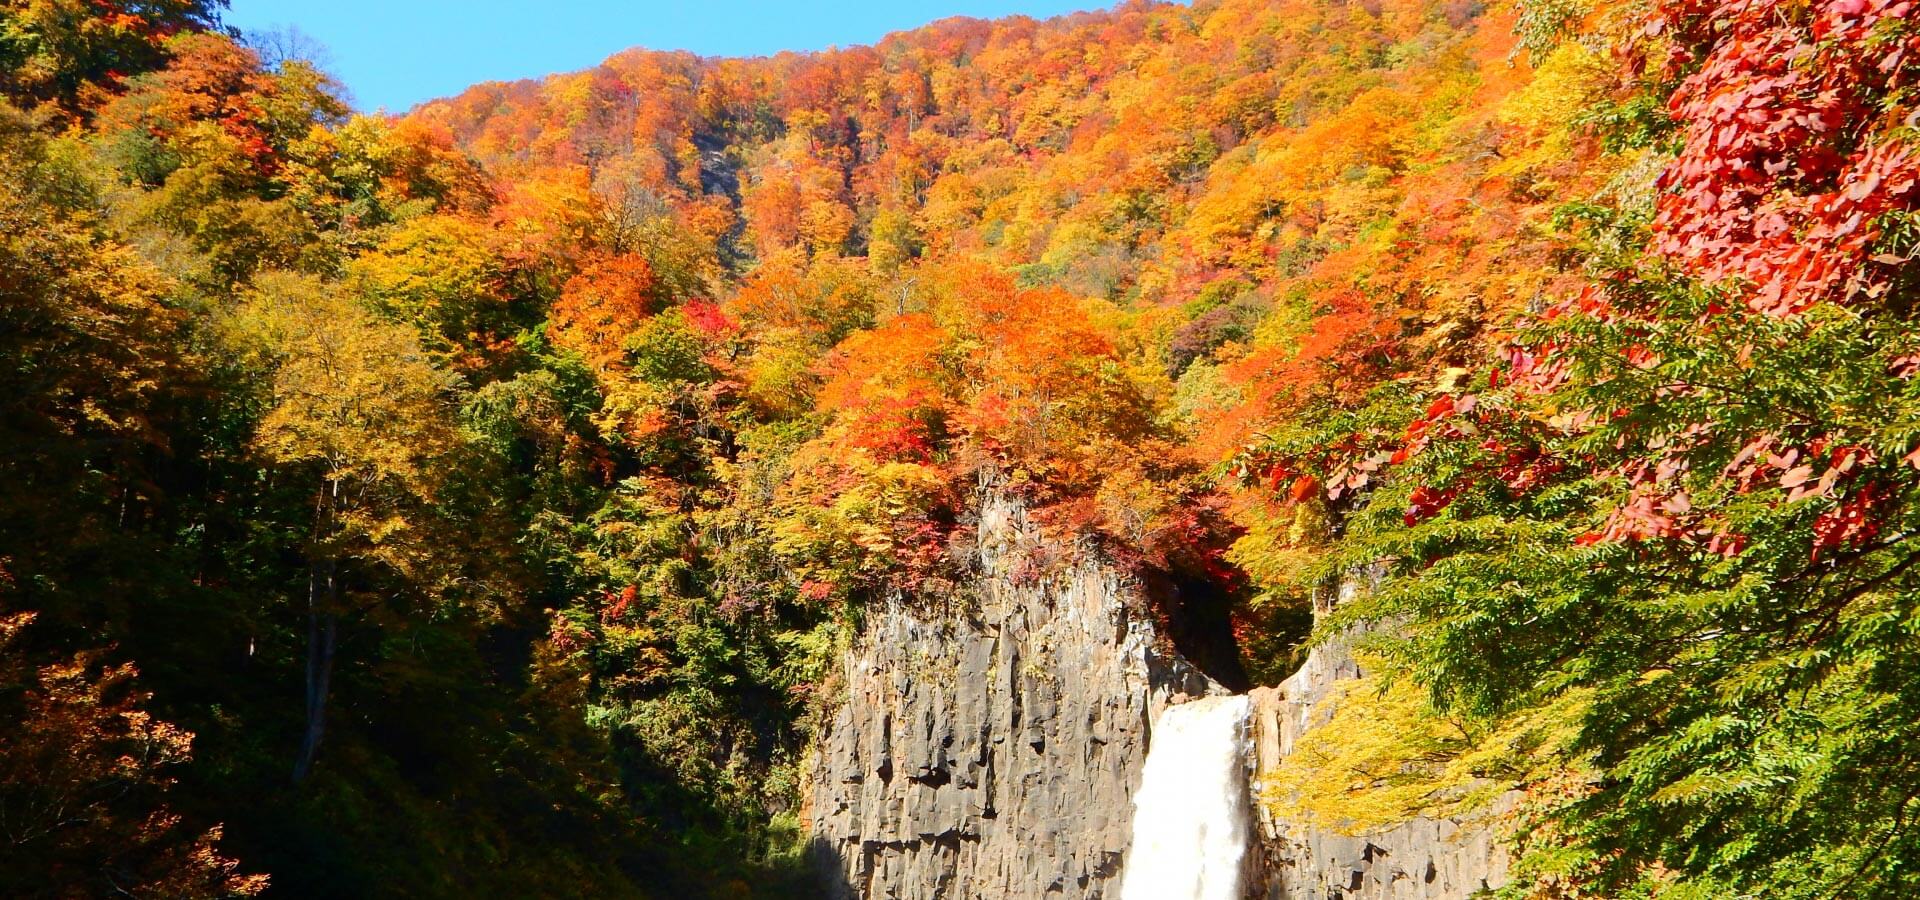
<point x="395" y="53"/>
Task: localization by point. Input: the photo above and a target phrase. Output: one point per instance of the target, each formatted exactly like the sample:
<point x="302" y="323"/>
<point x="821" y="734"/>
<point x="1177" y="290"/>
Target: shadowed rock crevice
<point x="1196" y="614"/>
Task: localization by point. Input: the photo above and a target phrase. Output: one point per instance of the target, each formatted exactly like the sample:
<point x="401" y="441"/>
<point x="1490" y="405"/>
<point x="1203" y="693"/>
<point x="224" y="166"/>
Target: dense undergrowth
<point x="477" y="501"/>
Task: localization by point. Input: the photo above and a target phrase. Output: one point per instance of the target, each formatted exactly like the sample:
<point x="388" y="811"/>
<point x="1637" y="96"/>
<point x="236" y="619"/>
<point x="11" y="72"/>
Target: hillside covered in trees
<point x="477" y="501"/>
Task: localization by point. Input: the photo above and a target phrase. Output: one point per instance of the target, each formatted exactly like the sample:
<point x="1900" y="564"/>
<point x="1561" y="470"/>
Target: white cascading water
<point x="1191" y="816"/>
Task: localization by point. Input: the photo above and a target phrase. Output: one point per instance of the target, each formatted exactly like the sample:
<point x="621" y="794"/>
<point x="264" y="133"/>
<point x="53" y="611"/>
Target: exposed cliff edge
<point x="993" y="748"/>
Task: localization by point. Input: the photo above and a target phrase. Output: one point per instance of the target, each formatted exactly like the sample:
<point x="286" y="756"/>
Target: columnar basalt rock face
<point x="1422" y="859"/>
<point x="993" y="749"/>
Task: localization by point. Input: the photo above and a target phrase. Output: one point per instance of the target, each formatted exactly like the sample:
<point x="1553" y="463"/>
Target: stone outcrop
<point x="992" y="749"/>
<point x="1422" y="859"/>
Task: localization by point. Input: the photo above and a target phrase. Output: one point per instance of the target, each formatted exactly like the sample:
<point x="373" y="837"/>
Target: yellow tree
<point x="440" y="273"/>
<point x="355" y="406"/>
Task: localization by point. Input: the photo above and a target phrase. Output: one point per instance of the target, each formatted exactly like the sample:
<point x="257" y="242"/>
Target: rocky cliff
<point x="1422" y="859"/>
<point x="992" y="749"/>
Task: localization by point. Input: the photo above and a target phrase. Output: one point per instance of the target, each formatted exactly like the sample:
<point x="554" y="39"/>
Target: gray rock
<point x="1422" y="859"/>
<point x="993" y="750"/>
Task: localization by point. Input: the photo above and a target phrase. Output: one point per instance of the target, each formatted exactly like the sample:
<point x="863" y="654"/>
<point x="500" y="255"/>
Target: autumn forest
<point x="478" y="501"/>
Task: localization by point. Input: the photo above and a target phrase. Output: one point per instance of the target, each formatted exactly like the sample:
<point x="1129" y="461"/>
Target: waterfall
<point x="1191" y="816"/>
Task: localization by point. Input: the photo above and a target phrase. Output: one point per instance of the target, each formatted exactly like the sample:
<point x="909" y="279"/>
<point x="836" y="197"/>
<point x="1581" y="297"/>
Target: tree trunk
<point x="323" y="607"/>
<point x="323" y="628"/>
<point x="322" y="631"/>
